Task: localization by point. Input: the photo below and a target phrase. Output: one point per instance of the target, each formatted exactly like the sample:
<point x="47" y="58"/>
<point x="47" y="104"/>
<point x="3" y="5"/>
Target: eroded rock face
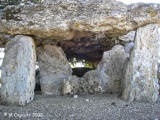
<point x="65" y="20"/>
<point x="90" y="83"/>
<point x="54" y="67"/>
<point x="70" y="85"/>
<point x="85" y="29"/>
<point x="18" y="71"/>
<point x="129" y="37"/>
<point x="4" y="38"/>
<point x="110" y="69"/>
<point x="82" y="28"/>
<point x="128" y="47"/>
<point x="141" y="82"/>
<point x="106" y="78"/>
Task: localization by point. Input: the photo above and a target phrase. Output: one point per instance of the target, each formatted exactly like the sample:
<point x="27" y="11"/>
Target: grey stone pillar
<point x="54" y="68"/>
<point x="140" y="77"/>
<point x="110" y="68"/>
<point x="18" y="71"/>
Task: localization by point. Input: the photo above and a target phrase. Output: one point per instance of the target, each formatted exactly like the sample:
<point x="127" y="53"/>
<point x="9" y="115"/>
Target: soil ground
<point x="88" y="107"/>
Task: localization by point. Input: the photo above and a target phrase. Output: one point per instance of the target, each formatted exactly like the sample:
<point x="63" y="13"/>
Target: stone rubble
<point x="106" y="78"/>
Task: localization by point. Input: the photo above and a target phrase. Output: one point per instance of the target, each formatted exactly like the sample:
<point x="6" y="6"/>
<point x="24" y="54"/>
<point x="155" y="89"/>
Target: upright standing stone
<point x="54" y="68"/>
<point x="18" y="71"/>
<point x="110" y="69"/>
<point x="141" y="82"/>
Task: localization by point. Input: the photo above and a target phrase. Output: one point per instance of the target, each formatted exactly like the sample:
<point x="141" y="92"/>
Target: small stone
<point x="75" y="96"/>
<point x="129" y="37"/>
<point x="113" y="103"/>
<point x="126" y="105"/>
<point x="87" y="100"/>
<point x="5" y="114"/>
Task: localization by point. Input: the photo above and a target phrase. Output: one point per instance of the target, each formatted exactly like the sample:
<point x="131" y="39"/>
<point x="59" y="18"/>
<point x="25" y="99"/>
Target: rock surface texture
<point x="54" y="67"/>
<point x="64" y="20"/>
<point x="110" y="69"/>
<point x="106" y="78"/>
<point x="18" y="71"/>
<point x="129" y="37"/>
<point x="90" y="83"/>
<point x="70" y="85"/>
<point x="84" y="23"/>
<point x="141" y="82"/>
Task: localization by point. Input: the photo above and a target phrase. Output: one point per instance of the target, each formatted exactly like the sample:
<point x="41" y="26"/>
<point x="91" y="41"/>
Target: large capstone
<point x="18" y="71"/>
<point x="141" y="82"/>
<point x="110" y="68"/>
<point x="68" y="19"/>
<point x="54" y="68"/>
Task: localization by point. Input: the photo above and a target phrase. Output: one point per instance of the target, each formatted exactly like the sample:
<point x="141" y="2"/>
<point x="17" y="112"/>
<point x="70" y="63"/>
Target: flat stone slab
<point x="65" y="20"/>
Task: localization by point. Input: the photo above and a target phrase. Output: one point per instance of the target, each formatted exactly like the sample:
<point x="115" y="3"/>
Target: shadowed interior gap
<point x="1" y="60"/>
<point x="81" y="66"/>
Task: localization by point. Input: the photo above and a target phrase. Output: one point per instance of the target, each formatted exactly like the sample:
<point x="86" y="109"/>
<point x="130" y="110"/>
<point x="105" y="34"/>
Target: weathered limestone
<point x="128" y="47"/>
<point x="83" y="29"/>
<point x="111" y="67"/>
<point x="54" y="68"/>
<point x="129" y="37"/>
<point x="140" y="78"/>
<point x="67" y="19"/>
<point x="90" y="83"/>
<point x="4" y="38"/>
<point x="70" y="85"/>
<point x="106" y="78"/>
<point x="18" y="71"/>
<point x="128" y="41"/>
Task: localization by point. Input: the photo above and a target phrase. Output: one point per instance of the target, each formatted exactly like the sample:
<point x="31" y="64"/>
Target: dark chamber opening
<point x="80" y="71"/>
<point x="81" y="66"/>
